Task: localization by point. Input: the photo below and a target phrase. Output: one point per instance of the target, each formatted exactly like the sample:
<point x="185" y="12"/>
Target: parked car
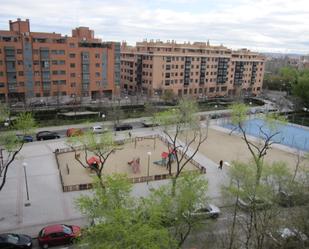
<point x="207" y="211"/>
<point x="149" y="124"/>
<point x="46" y="135"/>
<point x="72" y="132"/>
<point x="15" y="241"/>
<point x="123" y="127"/>
<point x="59" y="234"/>
<point x="290" y="198"/>
<point x="98" y="129"/>
<point x="248" y="202"/>
<point x="24" y="138"/>
<point x="287" y="238"/>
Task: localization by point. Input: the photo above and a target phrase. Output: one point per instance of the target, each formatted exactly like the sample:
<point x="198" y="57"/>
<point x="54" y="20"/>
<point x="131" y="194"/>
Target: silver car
<point x="207" y="211"/>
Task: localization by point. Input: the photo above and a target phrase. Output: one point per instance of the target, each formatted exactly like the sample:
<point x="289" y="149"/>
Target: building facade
<point x="196" y="69"/>
<point x="37" y="65"/>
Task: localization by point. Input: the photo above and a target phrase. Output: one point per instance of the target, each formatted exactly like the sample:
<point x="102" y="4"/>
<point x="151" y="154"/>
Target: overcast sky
<point x="261" y="25"/>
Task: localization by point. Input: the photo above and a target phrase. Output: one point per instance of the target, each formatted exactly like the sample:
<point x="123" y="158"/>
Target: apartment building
<point x="197" y="69"/>
<point x="38" y="64"/>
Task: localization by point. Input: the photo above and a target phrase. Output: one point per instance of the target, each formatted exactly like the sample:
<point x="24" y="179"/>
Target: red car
<point x="72" y="132"/>
<point x="58" y="235"/>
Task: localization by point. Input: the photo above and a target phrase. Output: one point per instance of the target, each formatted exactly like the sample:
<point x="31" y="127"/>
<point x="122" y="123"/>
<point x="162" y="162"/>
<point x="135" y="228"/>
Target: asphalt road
<point x="62" y="133"/>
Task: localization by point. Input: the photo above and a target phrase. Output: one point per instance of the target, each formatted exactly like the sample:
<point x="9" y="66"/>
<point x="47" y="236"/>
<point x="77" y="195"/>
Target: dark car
<point x="46" y="135"/>
<point x="12" y="241"/>
<point x="24" y="138"/>
<point x="123" y="127"/>
<point x="59" y="234"/>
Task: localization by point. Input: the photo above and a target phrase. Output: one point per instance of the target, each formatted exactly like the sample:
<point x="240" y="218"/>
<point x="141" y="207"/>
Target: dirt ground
<point x="222" y="146"/>
<point x="73" y="173"/>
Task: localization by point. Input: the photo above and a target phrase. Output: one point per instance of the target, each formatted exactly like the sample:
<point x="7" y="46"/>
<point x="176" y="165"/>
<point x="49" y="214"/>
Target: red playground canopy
<point x="164" y="155"/>
<point x="93" y="160"/>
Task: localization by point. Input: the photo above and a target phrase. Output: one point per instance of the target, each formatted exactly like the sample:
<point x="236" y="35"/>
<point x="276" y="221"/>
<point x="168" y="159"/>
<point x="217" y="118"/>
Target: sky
<point x="260" y="25"/>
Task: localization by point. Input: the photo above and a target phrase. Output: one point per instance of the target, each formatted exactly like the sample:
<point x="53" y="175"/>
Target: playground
<point x="141" y="158"/>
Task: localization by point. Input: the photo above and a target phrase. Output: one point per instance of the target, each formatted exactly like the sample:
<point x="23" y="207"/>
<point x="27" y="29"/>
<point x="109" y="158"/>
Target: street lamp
<point x="149" y="154"/>
<point x="26" y="182"/>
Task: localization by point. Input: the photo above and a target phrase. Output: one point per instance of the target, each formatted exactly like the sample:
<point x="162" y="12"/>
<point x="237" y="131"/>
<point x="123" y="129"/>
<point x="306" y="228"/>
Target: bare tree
<point x="11" y="145"/>
<point x="175" y="122"/>
<point x="94" y="147"/>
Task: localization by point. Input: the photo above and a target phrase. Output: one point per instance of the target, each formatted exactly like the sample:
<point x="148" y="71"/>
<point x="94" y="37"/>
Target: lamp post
<point x="216" y="106"/>
<point x="26" y="182"/>
<point x="148" y="165"/>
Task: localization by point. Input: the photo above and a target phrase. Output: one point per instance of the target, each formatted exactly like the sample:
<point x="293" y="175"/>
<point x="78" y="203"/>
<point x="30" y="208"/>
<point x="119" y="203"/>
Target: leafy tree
<point x="176" y="211"/>
<point x="10" y="144"/>
<point x="175" y="122"/>
<point x="101" y="146"/>
<point x="121" y="224"/>
<point x="301" y="88"/>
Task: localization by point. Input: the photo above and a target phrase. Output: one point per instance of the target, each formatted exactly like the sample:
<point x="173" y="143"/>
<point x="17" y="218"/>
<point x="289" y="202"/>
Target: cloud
<point x="275" y="25"/>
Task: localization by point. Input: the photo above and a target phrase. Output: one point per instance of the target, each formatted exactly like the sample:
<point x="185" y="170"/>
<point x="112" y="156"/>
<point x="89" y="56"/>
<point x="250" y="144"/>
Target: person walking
<point x="220" y="164"/>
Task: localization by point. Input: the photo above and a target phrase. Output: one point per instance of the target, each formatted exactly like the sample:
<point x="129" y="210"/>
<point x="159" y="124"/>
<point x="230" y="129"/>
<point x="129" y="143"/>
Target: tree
<point x="175" y="122"/>
<point x="250" y="178"/>
<point x="10" y="144"/>
<point x="92" y="145"/>
<point x="120" y="223"/>
<point x="116" y="113"/>
<point x="301" y="88"/>
<point x="168" y="96"/>
<point x="151" y="110"/>
<point x="263" y="215"/>
<point x="176" y="211"/>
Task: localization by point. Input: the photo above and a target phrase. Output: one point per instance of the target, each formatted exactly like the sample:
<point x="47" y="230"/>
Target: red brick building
<point x="197" y="69"/>
<point x="38" y="64"/>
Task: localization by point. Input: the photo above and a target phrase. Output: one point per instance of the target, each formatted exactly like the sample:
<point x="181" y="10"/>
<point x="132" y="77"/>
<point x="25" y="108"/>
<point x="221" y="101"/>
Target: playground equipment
<point x="93" y="162"/>
<point x="166" y="156"/>
<point x="135" y="164"/>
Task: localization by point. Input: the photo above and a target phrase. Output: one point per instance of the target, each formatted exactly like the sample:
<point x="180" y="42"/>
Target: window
<point x="97" y="56"/>
<point x="37" y="83"/>
<point x="97" y="74"/>
<point x="72" y="55"/>
<point x="20" y="62"/>
<point x="97" y="64"/>
<point x="19" y="51"/>
<point x="72" y="65"/>
<point x="1" y="84"/>
<point x="20" y="73"/>
<point x="73" y="84"/>
<point x="1" y="73"/>
<point x="72" y="75"/>
<point x="72" y="45"/>
<point x="21" y="83"/>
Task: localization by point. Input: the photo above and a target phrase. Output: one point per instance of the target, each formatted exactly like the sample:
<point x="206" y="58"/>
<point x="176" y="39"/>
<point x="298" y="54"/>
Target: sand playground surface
<point x="73" y="174"/>
<point x="222" y="146"/>
<point x="218" y="146"/>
